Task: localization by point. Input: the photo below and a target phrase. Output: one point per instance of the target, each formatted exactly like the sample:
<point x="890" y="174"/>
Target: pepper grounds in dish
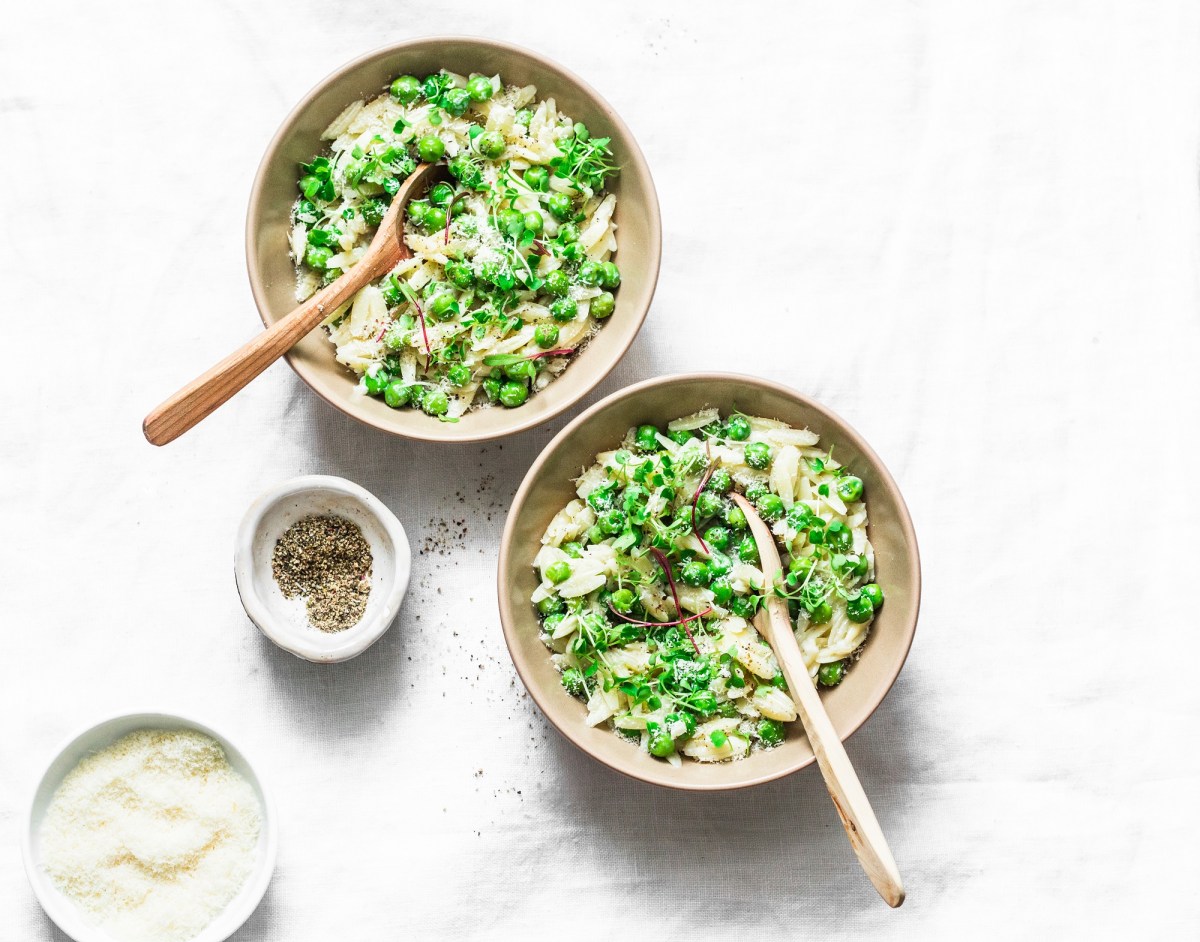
<point x="326" y="561"/>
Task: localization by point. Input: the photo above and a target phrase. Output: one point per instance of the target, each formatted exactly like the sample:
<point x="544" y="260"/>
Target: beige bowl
<point x="272" y="277"/>
<point x="548" y="487"/>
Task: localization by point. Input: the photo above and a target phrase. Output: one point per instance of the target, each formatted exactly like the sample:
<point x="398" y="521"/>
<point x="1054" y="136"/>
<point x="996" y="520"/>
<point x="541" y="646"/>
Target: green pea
<point x="622" y="600"/>
<point x="859" y="608"/>
<point x="513" y="394"/>
<point x="798" y="516"/>
<point x="480" y="88"/>
<point x="722" y="591"/>
<point x="560" y="207"/>
<point x="415" y="212"/>
<point x="456" y="100"/>
<point x="735" y="517"/>
<point x="557" y="283"/>
<point x="405" y="89"/>
<point x="558" y="571"/>
<point x="680" y="436"/>
<point x="602" y="305"/>
<point x="568" y="234"/>
<point x="466" y="171"/>
<point x="522" y="369"/>
<point x="747" y="550"/>
<point x="716" y="536"/>
<point x="441" y="195"/>
<point x="801" y="565"/>
<point x="564" y="309"/>
<point x="610" y="275"/>
<point x="695" y="573"/>
<point x="770" y="506"/>
<point x="460" y="274"/>
<point x="737" y="428"/>
<point x="459" y="374"/>
<point x="511" y="221"/>
<point x="435" y="218"/>
<point x="396" y="394"/>
<point x="491" y="388"/>
<point x="719" y="564"/>
<point x="612" y="521"/>
<point x="756" y="491"/>
<point x="838" y="536"/>
<point x="758" y="455"/>
<point x="872" y="591"/>
<point x="708" y="504"/>
<point x="820" y="613"/>
<point x="376" y="382"/>
<point x="545" y="335"/>
<point x="595" y="534"/>
<point x="443" y="306"/>
<point x="537" y="179"/>
<point x="850" y="488"/>
<point x="572" y="549"/>
<point x="431" y="149"/>
<point x="416" y="396"/>
<point x="373" y="210"/>
<point x="660" y="743"/>
<point x="770" y="732"/>
<point x="318" y="256"/>
<point x="831" y="674"/>
<point x="572" y="681"/>
<point x="435" y="402"/>
<point x="646" y="438"/>
<point x="591" y="273"/>
<point x="720" y="481"/>
<point x="490" y="144"/>
<point x="744" y="606"/>
<point x="534" y="222"/>
<point x="551" y="605"/>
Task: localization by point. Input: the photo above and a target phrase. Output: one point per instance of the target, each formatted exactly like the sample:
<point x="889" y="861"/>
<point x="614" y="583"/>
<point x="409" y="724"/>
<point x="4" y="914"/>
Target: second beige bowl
<point x="273" y="280"/>
<point x="549" y="486"/>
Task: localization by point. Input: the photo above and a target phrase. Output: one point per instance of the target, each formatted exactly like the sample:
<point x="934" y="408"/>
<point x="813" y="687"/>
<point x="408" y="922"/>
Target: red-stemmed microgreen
<point x="511" y="359"/>
<point x="666" y="568"/>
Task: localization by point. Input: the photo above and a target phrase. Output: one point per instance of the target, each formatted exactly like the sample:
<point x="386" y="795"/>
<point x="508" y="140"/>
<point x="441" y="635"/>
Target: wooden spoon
<point x="199" y="398"/>
<point x="847" y="793"/>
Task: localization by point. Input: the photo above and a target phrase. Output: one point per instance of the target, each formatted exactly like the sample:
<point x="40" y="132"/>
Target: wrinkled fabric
<point x="970" y="229"/>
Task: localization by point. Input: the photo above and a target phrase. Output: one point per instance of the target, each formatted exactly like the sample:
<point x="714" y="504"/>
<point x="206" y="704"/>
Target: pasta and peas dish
<point x="511" y="269"/>
<point x="650" y="580"/>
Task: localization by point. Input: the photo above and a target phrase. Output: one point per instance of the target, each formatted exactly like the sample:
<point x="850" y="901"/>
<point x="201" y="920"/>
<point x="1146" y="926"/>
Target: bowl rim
<point x="295" y="641"/>
<point x="63" y="912"/>
<point x="635" y="161"/>
<point x="573" y="731"/>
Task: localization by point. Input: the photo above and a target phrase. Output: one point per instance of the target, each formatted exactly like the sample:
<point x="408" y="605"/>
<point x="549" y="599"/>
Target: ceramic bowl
<point x="272" y="278"/>
<point x="285" y="620"/>
<point x="548" y="486"/>
<point x="61" y="909"/>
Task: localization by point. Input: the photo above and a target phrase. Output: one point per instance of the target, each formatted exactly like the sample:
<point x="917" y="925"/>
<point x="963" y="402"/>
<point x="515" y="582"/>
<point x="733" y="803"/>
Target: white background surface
<point x="969" y="228"/>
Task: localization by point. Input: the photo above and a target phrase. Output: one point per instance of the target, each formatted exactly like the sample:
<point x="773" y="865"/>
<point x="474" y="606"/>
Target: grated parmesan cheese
<point x="152" y="836"/>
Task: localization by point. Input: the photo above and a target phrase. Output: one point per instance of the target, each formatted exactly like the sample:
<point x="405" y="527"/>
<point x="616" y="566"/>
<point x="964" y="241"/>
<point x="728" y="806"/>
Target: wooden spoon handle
<point x="853" y="807"/>
<point x="201" y="397"/>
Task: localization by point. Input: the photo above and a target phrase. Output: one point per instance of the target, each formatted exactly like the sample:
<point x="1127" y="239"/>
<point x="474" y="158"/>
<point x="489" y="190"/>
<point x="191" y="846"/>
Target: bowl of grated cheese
<point x="149" y="827"/>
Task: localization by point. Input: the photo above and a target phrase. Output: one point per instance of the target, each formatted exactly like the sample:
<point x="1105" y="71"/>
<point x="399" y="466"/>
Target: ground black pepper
<point x="326" y="561"/>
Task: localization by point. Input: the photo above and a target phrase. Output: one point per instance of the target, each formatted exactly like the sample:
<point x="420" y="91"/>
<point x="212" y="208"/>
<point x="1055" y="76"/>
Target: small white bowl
<point x="61" y="909"/>
<point x="285" y="620"/>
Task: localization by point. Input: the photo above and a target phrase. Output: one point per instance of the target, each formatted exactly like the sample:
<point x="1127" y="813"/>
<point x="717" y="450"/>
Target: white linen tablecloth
<point x="969" y="228"/>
